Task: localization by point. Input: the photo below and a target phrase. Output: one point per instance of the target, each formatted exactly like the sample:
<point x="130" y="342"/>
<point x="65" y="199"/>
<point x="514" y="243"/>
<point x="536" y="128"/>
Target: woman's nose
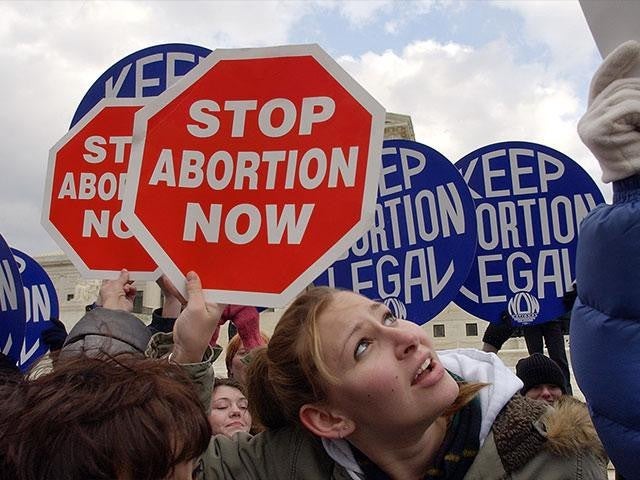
<point x="406" y="342"/>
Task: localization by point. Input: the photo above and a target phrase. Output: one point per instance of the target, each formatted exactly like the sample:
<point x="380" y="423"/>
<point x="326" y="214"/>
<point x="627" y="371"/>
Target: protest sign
<point x="145" y="73"/>
<point x="83" y="194"/>
<point x="257" y="170"/>
<point x="530" y="200"/>
<point x="422" y="244"/>
<point x="41" y="305"/>
<point x="87" y="167"/>
<point x="12" y="304"/>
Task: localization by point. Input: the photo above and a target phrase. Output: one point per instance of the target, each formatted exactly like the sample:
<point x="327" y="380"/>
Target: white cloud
<point x="462" y="98"/>
<point x="360" y="12"/>
<point x="561" y="27"/>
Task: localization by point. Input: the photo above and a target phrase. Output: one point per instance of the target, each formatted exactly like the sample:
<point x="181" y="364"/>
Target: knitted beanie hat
<point x="538" y="369"/>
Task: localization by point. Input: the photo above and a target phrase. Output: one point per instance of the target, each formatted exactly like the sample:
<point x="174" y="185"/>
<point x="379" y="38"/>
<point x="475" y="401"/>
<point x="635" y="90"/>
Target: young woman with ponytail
<point x="347" y="391"/>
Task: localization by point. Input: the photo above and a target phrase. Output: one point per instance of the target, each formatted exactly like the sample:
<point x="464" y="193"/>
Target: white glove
<point x="611" y="125"/>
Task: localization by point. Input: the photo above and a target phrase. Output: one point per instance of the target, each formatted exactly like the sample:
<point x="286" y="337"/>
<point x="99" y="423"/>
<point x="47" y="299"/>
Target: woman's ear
<point x="325" y="423"/>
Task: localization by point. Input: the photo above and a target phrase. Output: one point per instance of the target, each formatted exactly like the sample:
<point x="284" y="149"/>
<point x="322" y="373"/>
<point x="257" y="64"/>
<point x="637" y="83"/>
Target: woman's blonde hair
<point x="291" y="372"/>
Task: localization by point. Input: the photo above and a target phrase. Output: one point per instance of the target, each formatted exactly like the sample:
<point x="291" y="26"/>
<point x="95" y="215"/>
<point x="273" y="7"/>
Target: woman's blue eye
<point x="360" y="348"/>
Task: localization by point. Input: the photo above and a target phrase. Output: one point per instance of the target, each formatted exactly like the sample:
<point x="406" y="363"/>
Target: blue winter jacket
<point x="605" y="323"/>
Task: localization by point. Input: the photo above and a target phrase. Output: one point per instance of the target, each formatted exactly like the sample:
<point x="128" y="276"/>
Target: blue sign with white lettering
<point x="530" y="200"/>
<point x="145" y="73"/>
<point x="422" y="244"/>
<point x="12" y="304"/>
<point x="41" y="305"/>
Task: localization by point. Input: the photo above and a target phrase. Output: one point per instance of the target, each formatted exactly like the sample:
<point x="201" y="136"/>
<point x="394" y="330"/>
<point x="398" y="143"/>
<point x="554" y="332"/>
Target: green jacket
<point x="528" y="441"/>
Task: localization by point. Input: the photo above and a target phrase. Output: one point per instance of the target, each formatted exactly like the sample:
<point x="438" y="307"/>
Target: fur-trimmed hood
<point x="527" y="427"/>
<point x="569" y="429"/>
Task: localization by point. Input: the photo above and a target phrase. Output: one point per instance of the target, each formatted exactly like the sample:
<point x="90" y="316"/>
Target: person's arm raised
<point x="117" y="294"/>
<point x="195" y="324"/>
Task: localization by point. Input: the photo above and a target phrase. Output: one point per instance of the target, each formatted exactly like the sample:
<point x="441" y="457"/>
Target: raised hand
<point x="195" y="324"/>
<point x="117" y="294"/>
<point x="173" y="299"/>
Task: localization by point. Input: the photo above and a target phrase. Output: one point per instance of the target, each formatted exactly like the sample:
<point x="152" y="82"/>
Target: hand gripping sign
<point x="256" y="170"/>
<point x="422" y="244"/>
<point x="530" y="200"/>
<point x="12" y="304"/>
<point x="41" y="305"/>
<point x="83" y="194"/>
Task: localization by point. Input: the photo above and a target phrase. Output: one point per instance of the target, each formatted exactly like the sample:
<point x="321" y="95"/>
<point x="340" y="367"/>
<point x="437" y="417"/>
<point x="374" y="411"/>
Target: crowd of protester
<point x="343" y="389"/>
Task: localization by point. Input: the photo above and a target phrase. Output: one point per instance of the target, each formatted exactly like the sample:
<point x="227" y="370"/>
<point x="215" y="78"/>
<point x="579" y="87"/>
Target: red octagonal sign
<point x="257" y="170"/>
<point x="83" y="194"/>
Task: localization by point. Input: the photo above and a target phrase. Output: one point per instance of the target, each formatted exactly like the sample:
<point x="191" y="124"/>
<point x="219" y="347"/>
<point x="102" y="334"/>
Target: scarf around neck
<point x="456" y="454"/>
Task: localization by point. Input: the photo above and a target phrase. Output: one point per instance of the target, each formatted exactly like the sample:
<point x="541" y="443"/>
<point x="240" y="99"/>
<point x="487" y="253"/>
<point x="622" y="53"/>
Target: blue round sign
<point x="12" y="304"/>
<point x="422" y="244"/>
<point x="41" y="305"/>
<point x="145" y="73"/>
<point x="529" y="202"/>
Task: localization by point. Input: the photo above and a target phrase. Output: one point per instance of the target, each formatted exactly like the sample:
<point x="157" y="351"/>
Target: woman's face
<point x="229" y="412"/>
<point x="389" y="377"/>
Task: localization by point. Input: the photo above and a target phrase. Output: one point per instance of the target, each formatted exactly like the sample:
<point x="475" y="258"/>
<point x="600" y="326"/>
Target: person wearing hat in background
<point x="544" y="381"/>
<point x="542" y="378"/>
<point x="605" y="322"/>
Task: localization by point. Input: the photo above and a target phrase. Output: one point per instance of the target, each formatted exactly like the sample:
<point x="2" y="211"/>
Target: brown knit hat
<point x="538" y="369"/>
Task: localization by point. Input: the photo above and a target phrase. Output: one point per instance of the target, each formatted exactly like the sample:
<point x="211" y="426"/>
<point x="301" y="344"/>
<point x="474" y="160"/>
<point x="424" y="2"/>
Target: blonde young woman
<point x="347" y="391"/>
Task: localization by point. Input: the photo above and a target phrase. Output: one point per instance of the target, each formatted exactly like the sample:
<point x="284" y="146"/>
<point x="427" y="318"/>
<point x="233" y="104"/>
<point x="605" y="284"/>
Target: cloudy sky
<point x="469" y="73"/>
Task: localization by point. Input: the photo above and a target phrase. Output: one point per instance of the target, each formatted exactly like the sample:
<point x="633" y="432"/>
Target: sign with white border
<point x="419" y="251"/>
<point x="257" y="170"/>
<point x="12" y="304"/>
<point x="530" y="200"/>
<point x="41" y="305"/>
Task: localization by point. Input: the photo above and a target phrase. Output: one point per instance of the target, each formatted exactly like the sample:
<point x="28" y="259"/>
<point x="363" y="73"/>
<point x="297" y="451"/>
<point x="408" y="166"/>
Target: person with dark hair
<point x="119" y="418"/>
<point x="542" y="378"/>
<point x="347" y="391"/>
<point x="229" y="412"/>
